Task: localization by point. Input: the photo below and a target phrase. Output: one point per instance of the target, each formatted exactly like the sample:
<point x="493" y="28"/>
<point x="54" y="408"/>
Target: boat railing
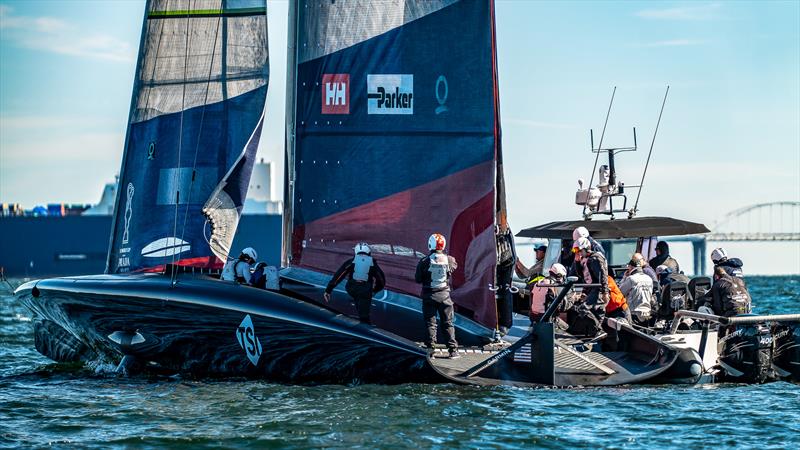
<point x="736" y="320"/>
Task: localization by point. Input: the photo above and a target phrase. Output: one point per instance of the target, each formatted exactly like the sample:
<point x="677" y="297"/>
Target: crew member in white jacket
<point x="637" y="287"/>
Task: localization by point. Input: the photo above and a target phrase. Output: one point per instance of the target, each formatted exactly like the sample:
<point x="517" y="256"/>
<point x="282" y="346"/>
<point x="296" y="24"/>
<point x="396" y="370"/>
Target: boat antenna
<point x="633" y="211"/>
<point x="602" y="135"/>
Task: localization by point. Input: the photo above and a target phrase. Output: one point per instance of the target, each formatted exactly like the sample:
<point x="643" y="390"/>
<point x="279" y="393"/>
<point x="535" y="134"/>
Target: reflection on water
<point x="67" y="405"/>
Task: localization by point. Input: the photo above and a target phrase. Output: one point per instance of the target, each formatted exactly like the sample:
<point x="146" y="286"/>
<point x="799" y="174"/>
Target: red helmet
<point x="436" y="242"/>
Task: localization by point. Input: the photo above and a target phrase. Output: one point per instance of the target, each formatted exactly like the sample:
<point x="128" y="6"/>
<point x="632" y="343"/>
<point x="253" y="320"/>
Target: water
<point x="44" y="404"/>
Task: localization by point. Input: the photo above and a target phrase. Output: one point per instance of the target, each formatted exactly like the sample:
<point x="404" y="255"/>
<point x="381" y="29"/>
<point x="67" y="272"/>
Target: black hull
<point x="194" y="328"/>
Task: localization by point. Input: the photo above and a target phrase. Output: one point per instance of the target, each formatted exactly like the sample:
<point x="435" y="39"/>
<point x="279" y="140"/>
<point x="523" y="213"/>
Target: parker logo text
<point x="390" y="94"/>
<point x="335" y="93"/>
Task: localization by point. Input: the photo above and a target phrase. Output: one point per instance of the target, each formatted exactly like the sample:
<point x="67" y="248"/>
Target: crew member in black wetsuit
<point x="434" y="272"/>
<point x="728" y="295"/>
<point x="364" y="278"/>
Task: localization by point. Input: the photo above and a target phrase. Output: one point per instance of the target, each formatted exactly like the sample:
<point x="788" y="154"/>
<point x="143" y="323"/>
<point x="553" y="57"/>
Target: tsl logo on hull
<point x="246" y="335"/>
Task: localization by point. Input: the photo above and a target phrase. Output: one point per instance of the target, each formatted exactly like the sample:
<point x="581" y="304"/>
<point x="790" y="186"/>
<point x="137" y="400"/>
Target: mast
<point x="288" y="169"/>
<point x="135" y="90"/>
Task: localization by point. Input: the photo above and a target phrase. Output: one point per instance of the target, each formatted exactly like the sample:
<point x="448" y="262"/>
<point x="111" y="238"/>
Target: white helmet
<point x="580" y="232"/>
<point x="558" y="270"/>
<point x="582" y="243"/>
<point x="362" y="247"/>
<point x="250" y="251"/>
<point x="436" y="242"/>
<point x="719" y="254"/>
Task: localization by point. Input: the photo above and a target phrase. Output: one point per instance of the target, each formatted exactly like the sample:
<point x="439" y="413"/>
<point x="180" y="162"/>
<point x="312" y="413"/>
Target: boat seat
<point x="698" y="287"/>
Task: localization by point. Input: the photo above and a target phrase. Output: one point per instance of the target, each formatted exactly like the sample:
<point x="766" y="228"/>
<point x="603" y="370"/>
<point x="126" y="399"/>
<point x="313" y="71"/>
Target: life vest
<point x="737" y="299"/>
<point x="439" y="269"/>
<point x="361" y="265"/>
<point x="616" y="299"/>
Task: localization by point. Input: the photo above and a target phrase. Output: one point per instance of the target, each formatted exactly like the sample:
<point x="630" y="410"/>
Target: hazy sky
<point x="730" y="135"/>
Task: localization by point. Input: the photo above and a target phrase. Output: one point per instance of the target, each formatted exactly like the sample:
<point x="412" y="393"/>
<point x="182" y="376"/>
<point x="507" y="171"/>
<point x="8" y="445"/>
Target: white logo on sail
<point x="246" y="335"/>
<point x="128" y="213"/>
<point x="165" y="247"/>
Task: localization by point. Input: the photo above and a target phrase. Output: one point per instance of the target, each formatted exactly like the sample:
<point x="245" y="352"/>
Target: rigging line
<point x="176" y="177"/>
<point x="200" y="130"/>
<point x="655" y="133"/>
<point x="600" y="145"/>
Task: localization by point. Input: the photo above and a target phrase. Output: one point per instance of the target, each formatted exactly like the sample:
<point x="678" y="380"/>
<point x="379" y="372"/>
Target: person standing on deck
<point x="434" y="272"/>
<point x="239" y="269"/>
<point x="637" y="287"/>
<point x="364" y="278"/>
<point x="536" y="272"/>
<point x="591" y="268"/>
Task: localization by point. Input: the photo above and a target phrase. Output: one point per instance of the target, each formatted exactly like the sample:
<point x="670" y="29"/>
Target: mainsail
<point x="195" y="121"/>
<point x="395" y="136"/>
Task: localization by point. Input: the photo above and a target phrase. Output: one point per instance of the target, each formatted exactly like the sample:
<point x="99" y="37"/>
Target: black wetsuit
<point x="361" y="291"/>
<point x="436" y="295"/>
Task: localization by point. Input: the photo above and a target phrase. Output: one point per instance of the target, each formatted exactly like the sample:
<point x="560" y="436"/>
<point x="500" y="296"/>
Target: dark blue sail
<point x="195" y="122"/>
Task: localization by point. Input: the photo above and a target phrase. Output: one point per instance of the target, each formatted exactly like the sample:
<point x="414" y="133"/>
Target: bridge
<point x="761" y="222"/>
<point x="775" y="221"/>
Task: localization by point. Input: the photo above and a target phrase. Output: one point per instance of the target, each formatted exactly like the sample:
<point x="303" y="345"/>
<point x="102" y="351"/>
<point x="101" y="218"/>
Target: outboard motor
<point x="786" y="350"/>
<point x="698" y="287"/>
<point x="745" y="353"/>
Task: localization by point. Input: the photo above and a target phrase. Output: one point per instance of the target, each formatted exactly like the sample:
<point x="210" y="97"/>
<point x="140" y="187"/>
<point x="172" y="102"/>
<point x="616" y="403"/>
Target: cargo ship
<point x="61" y="239"/>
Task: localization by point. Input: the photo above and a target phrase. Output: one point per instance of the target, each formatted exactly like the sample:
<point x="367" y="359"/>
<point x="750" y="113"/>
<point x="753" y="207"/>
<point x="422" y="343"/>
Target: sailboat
<point x="196" y="117"/>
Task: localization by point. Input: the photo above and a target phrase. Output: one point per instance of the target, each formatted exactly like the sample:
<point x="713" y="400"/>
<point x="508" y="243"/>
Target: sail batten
<point x="194" y="128"/>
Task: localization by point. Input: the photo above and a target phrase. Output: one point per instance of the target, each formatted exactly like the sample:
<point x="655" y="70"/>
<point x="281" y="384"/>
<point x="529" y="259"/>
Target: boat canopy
<point x="616" y="229"/>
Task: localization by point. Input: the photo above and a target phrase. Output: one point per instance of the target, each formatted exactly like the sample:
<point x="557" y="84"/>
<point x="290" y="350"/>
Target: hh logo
<point x="336" y="93"/>
<point x="248" y="340"/>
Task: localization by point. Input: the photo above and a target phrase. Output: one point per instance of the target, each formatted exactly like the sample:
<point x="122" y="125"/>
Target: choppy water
<point x="43" y="404"/>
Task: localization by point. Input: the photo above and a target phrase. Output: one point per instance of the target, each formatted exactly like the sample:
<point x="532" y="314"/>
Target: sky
<point x="729" y="136"/>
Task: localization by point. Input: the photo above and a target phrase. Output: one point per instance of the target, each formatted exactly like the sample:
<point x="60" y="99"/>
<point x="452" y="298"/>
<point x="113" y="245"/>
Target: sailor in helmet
<point x="364" y="278"/>
<point x="582" y="232"/>
<point x="546" y="290"/>
<point x="434" y="272"/>
<point x="239" y="269"/>
<point x="733" y="266"/>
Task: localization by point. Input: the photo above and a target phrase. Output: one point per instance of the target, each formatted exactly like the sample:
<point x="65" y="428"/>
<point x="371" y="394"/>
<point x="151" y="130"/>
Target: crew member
<point x="733" y="266"/>
<point x="591" y="268"/>
<point x="663" y="257"/>
<point x="536" y="272"/>
<point x="434" y="272"/>
<point x="364" y="278"/>
<point x="265" y="276"/>
<point x="582" y="232"/>
<point x="637" y="287"/>
<point x="728" y="295"/>
<point x="239" y="269"/>
<point x="545" y="291"/>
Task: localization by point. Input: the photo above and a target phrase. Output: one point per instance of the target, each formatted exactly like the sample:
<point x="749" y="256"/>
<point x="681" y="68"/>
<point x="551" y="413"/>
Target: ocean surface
<point x="63" y="406"/>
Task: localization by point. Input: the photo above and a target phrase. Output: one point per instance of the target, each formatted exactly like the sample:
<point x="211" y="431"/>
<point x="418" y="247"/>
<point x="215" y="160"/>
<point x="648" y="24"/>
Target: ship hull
<point x="204" y="327"/>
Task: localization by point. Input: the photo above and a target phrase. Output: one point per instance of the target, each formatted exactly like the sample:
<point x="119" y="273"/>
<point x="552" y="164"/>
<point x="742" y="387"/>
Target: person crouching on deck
<point x="239" y="269"/>
<point x="364" y="278"/>
<point x="434" y="272"/>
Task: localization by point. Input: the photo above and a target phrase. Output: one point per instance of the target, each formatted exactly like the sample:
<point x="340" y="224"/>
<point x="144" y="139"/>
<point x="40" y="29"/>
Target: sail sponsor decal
<point x="442" y="90"/>
<point x="336" y="93"/>
<point x="390" y="94"/>
<point x="167" y="246"/>
<point x="246" y="335"/>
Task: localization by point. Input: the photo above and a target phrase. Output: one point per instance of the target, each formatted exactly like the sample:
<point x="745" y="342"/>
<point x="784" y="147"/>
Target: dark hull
<point x="194" y="328"/>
